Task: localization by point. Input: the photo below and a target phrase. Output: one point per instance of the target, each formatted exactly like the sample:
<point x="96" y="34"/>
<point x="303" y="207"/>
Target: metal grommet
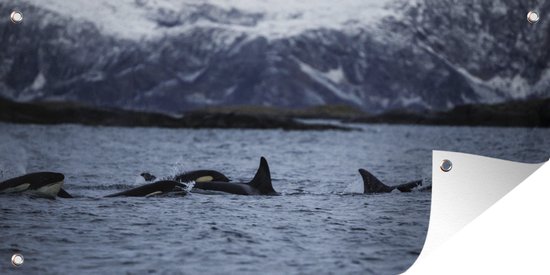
<point x="17" y="259"/>
<point x="16" y="17"/>
<point x="533" y="17"/>
<point x="446" y="165"/>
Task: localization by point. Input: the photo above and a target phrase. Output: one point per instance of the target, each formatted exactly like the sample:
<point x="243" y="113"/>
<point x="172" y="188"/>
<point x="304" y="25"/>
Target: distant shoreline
<point x="524" y="113"/>
<point x="49" y="113"/>
<point x="529" y="113"/>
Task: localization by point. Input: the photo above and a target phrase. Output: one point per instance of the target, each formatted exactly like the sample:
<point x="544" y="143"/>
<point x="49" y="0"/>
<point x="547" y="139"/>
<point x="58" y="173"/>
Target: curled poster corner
<point x="487" y="217"/>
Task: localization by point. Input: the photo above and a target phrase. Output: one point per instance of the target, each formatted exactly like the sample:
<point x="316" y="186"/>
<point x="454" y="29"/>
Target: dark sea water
<point x="321" y="224"/>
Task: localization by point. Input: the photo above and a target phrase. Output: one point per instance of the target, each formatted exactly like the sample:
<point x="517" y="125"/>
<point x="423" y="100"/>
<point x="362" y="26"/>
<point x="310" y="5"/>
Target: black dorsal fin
<point x="372" y="184"/>
<point x="262" y="179"/>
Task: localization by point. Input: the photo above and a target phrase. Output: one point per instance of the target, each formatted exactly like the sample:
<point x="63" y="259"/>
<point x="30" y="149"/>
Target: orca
<point x="41" y="184"/>
<point x="259" y="185"/>
<point x="201" y="176"/>
<point x="196" y="176"/>
<point x="164" y="186"/>
<point x="152" y="189"/>
<point x="373" y="185"/>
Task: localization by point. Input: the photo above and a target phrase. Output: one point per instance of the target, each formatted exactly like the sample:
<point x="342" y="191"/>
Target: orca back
<point x="34" y="180"/>
<point x="407" y="187"/>
<point x="259" y="185"/>
<point x="149" y="189"/>
<point x="201" y="176"/>
<point x="237" y="188"/>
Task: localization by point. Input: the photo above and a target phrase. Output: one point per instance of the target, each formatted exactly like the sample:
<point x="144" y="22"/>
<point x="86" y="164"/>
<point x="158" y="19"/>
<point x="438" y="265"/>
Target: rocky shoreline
<point x="67" y="113"/>
<point x="521" y="113"/>
<point x="529" y="113"/>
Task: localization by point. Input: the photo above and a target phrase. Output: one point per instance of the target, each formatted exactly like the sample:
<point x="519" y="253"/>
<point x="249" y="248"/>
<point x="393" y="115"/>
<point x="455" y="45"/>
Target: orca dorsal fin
<point x="373" y="184"/>
<point x="262" y="179"/>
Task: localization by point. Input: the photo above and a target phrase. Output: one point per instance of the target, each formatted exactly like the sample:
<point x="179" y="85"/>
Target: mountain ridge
<point x="406" y="60"/>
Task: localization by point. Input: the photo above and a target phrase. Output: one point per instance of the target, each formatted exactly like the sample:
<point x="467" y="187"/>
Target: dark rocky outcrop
<point x="530" y="113"/>
<point x="58" y="113"/>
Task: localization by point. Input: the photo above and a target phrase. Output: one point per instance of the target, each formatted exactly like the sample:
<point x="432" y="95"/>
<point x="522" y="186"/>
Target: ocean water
<point x="321" y="223"/>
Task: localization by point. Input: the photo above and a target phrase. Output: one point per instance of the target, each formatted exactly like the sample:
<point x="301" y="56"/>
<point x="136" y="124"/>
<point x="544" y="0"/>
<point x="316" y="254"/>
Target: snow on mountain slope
<point x="135" y="19"/>
<point x="176" y="55"/>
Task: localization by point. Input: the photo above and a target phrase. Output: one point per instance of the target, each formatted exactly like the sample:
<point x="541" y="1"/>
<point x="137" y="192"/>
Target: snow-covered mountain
<point x="171" y="56"/>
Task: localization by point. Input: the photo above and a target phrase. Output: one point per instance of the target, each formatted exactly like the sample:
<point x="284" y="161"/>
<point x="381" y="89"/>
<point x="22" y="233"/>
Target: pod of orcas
<point x="50" y="184"/>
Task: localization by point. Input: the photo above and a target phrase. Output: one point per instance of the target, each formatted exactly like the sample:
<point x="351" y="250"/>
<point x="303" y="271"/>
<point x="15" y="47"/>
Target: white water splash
<point x="355" y="187"/>
<point x="190" y="185"/>
<point x="140" y="180"/>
